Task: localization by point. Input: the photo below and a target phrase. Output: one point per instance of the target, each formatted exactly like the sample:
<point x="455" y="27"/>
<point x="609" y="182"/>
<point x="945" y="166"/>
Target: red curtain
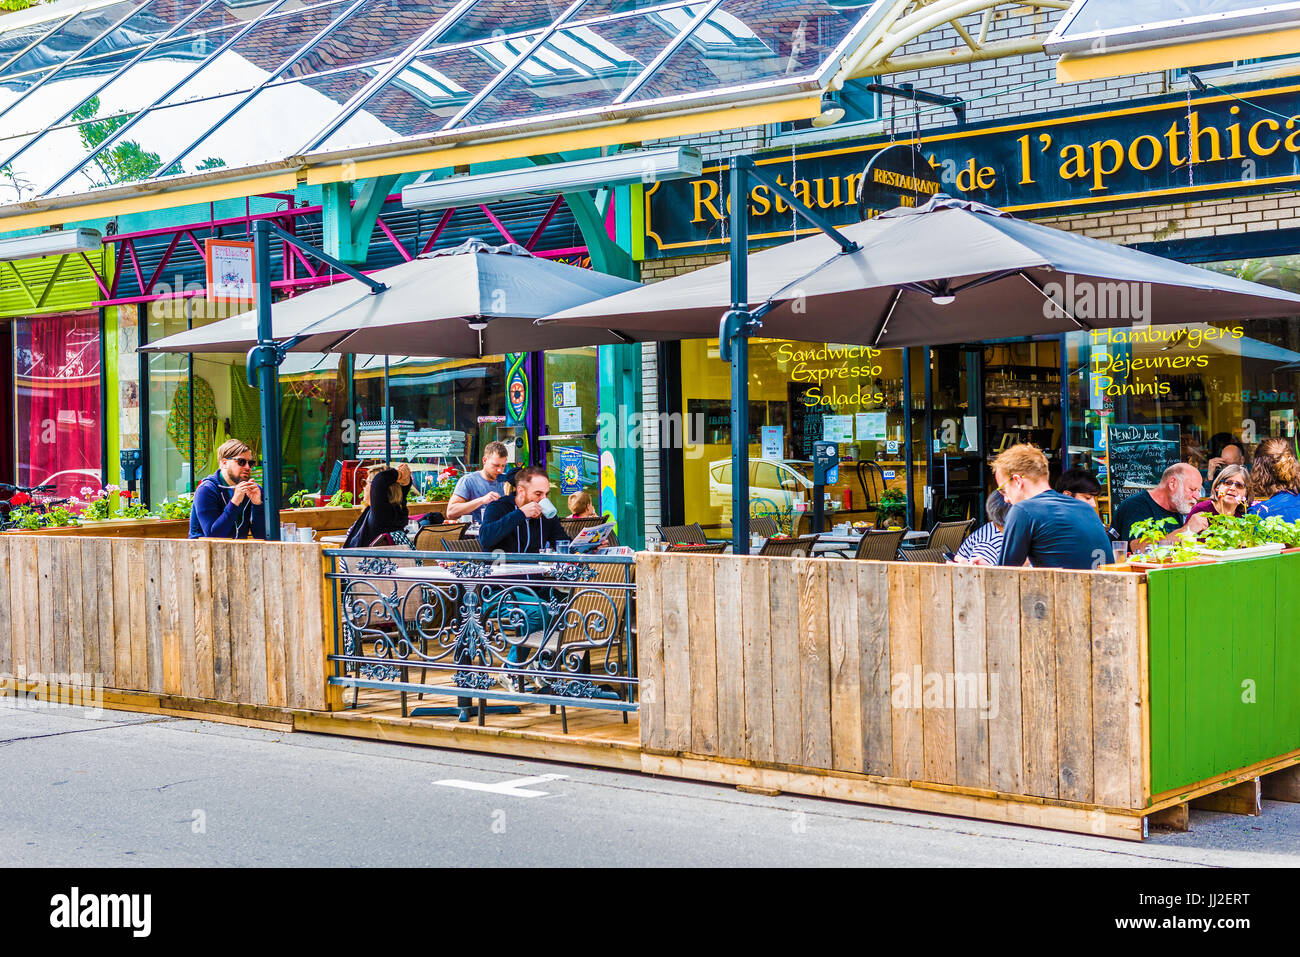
<point x="58" y="388"/>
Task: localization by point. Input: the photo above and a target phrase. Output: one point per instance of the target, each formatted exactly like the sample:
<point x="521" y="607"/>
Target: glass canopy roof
<point x="1094" y="26"/>
<point x="163" y="91"/>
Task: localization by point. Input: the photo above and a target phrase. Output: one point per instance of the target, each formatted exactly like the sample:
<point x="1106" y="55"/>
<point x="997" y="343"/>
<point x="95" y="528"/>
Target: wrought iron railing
<point x="548" y="629"/>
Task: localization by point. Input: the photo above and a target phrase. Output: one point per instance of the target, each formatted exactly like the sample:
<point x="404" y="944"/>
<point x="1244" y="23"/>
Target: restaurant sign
<point x="1155" y="151"/>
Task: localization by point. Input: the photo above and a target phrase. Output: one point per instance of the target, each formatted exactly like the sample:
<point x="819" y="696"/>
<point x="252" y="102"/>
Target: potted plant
<point x="340" y="499"/>
<point x="178" y="510"/>
<point x="1151" y="533"/>
<point x="1230" y="537"/>
<point x="891" y="508"/>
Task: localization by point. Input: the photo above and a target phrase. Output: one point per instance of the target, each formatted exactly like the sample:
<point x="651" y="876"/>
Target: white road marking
<point x="516" y="788"/>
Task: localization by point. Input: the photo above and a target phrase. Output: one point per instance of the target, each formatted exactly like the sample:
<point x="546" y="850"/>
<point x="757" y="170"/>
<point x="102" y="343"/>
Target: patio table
<point x="469" y="648"/>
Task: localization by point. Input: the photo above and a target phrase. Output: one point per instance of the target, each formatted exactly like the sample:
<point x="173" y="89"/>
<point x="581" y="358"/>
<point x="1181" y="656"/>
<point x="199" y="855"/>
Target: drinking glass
<point x="1121" y="552"/>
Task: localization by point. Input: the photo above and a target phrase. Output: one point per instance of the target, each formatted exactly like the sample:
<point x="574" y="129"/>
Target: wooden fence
<point x="247" y="623"/>
<point x="993" y="680"/>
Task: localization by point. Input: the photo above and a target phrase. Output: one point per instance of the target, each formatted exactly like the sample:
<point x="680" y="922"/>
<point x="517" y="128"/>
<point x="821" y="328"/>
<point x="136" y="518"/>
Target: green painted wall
<point x="1225" y="667"/>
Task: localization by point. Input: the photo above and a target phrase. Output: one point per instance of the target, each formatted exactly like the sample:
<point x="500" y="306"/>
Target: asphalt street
<point x="87" y="789"/>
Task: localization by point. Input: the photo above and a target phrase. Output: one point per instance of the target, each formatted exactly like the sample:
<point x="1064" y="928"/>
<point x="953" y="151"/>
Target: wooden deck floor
<point x="595" y="737"/>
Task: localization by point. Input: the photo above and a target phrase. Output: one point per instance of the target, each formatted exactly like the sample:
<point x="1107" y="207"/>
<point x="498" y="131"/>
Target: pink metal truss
<point x="294" y="262"/>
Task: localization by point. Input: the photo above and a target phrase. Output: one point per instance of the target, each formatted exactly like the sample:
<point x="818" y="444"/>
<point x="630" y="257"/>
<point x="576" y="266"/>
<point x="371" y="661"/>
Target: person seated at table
<point x="527" y="522"/>
<point x="228" y="503"/>
<point x="580" y="506"/>
<point x="1050" y="529"/>
<point x="1176" y="495"/>
<point x="385" y="512"/>
<point x="1227" y="493"/>
<point x="1275" y="481"/>
<point x="984" y="545"/>
<point x="1224" y="450"/>
<point x="1079" y="482"/>
<point x="475" y="491"/>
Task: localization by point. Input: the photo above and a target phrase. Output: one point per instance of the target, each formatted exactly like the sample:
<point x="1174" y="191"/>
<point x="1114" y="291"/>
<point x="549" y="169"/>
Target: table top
<point x="496" y="571"/>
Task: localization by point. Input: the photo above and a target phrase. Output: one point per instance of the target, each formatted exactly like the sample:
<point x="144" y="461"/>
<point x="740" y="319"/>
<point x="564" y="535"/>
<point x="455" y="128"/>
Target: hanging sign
<point x="231" y="270"/>
<point x="516" y="388"/>
<point x="896" y="176"/>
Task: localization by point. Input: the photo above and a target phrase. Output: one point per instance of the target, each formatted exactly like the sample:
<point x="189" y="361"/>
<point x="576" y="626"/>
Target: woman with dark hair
<point x="1227" y="493"/>
<point x="385" y="512"/>
<point x="1275" y="481"/>
<point x="1079" y="483"/>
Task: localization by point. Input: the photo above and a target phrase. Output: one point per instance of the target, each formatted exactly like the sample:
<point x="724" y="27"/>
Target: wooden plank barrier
<point x="246" y="623"/>
<point x="1002" y="685"/>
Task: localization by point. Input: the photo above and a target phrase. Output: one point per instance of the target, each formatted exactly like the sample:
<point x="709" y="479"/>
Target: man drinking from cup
<point x="528" y="522"/>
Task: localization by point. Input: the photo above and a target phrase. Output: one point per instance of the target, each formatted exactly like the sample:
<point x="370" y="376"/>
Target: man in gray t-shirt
<point x="477" y="490"/>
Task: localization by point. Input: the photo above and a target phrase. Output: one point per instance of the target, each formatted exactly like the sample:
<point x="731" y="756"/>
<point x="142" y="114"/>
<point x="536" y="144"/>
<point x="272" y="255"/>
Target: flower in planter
<point x="20" y="498"/>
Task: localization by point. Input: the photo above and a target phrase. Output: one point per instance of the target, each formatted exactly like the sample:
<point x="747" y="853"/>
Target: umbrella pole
<point x="264" y="358"/>
<point x="733" y="342"/>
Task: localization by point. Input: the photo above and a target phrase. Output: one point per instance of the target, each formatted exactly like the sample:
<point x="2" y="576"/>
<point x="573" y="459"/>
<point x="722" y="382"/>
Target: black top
<point x="504" y="526"/>
<point x="1138" y="508"/>
<point x="1055" y="531"/>
<point x="380" y="516"/>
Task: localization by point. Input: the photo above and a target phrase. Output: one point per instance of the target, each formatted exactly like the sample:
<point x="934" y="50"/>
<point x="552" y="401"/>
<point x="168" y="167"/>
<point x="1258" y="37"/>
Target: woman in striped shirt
<point x="984" y="545"/>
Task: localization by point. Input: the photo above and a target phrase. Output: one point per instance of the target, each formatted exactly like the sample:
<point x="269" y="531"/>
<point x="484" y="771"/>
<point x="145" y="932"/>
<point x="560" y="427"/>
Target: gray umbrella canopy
<point x="948" y="271"/>
<point x="432" y="306"/>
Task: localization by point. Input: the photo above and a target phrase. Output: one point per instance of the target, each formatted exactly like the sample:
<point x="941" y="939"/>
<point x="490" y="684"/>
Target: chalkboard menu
<point x="1137" y="455"/>
<point x="806" y="425"/>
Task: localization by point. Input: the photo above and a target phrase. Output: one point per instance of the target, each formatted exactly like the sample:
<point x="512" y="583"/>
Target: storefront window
<point x="443" y="411"/>
<point x="572" y="462"/>
<point x="800" y="393"/>
<point x="58" y="412"/>
<point x="198" y="402"/>
<point x="1156" y="395"/>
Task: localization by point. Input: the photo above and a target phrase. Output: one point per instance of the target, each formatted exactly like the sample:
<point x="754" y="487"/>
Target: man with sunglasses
<point x="228" y="503"/>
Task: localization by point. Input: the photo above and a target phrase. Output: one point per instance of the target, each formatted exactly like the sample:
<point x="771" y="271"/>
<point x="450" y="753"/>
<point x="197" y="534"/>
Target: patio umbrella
<point x="949" y="271"/>
<point x="467" y="302"/>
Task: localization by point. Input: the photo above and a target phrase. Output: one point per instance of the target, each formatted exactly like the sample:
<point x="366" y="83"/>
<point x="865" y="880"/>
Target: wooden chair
<point x="572" y="526"/>
<point x="786" y="547"/>
<point x="686" y="534"/>
<point x="880" y="546"/>
<point x="717" y="548"/>
<point x="764" y="526"/>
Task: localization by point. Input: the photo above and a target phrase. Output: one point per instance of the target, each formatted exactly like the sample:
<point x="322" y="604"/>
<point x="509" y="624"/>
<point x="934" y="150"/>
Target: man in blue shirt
<point x="228" y="503"/>
<point x="1050" y="529"/>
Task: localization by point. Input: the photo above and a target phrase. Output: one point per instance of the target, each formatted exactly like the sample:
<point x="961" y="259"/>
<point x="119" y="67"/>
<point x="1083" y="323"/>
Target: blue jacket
<point x="215" y="516"/>
<point x="1285" y="505"/>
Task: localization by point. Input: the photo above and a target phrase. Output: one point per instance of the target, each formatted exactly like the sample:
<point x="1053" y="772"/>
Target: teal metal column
<point x="622" y="481"/>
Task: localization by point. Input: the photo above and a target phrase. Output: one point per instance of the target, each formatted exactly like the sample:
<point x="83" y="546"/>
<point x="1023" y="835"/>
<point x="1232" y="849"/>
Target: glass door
<point x="948" y="433"/>
<point x="569" y="445"/>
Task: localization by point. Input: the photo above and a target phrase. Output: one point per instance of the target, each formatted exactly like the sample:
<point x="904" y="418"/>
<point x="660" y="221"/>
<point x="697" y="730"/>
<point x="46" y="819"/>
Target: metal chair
<point x="764" y="526"/>
<point x="880" y="546"/>
<point x="787" y="547"/>
<point x="951" y="534"/>
<point x="717" y="548"/>
<point x="682" y="534"/>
